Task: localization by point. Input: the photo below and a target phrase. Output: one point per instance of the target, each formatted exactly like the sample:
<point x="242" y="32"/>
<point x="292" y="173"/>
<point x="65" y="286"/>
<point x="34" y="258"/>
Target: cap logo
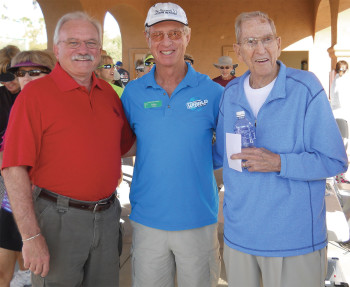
<point x="168" y="11"/>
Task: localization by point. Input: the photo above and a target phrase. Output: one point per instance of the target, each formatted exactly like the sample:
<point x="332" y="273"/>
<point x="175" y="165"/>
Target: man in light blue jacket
<point x="275" y="228"/>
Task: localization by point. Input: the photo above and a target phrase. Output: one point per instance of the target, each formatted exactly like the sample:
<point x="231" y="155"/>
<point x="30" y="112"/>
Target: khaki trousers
<point x="194" y="252"/>
<point x="247" y="270"/>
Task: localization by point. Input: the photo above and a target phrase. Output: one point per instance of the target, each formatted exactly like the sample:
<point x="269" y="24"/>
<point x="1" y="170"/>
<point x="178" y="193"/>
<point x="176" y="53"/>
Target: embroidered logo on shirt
<point x="196" y="104"/>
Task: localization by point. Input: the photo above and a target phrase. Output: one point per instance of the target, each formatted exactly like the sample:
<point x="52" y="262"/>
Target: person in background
<point x="106" y="71"/>
<point x="226" y="69"/>
<point x="274" y="209"/>
<point x="62" y="161"/>
<point x="189" y="59"/>
<point x="148" y="62"/>
<point x="339" y="93"/>
<point x="124" y="74"/>
<point x="27" y="66"/>
<point x="173" y="111"/>
<point x="340" y="100"/>
<point x="10" y="250"/>
<point x="139" y="68"/>
<point x="9" y="88"/>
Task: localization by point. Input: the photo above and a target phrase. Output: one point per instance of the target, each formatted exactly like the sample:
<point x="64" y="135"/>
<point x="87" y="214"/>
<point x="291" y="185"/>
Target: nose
<point x="260" y="46"/>
<point x="27" y="77"/>
<point x="166" y="39"/>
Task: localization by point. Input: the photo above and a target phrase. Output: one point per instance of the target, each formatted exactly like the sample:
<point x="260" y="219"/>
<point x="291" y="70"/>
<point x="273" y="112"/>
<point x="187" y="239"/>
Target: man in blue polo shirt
<point x="173" y="111"/>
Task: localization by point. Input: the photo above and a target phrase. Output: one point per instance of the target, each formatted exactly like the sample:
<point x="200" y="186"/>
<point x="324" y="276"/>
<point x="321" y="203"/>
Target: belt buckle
<point x="99" y="203"/>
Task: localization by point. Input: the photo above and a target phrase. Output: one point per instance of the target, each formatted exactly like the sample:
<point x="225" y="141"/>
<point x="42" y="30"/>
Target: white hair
<point x="78" y="15"/>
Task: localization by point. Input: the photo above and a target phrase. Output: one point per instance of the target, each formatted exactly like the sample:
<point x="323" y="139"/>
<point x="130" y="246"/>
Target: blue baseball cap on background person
<point x="119" y="63"/>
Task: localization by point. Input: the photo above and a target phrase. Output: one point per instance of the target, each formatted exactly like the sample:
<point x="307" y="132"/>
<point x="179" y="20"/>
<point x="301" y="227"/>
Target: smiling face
<point x="167" y="52"/>
<point x="261" y="59"/>
<point x="78" y="62"/>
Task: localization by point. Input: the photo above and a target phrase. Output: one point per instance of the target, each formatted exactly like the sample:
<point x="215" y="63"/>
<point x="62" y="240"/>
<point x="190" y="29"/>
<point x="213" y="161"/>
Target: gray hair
<point x="251" y="15"/>
<point x="78" y="15"/>
<point x="186" y="30"/>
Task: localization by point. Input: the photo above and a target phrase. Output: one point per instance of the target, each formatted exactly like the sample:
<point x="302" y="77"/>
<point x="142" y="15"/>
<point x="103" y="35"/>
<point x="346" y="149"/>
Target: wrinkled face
<point x="106" y="73"/>
<point x="78" y="50"/>
<point x="167" y="42"/>
<point x="13" y="87"/>
<point x="259" y="49"/>
<point x="27" y="77"/>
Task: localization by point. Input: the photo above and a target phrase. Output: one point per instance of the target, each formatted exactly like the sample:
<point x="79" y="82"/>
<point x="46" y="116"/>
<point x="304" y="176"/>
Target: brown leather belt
<point x="94" y="206"/>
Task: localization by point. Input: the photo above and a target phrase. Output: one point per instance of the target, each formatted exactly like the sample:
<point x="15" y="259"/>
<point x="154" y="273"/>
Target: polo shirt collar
<point x="66" y="83"/>
<point x="191" y="79"/>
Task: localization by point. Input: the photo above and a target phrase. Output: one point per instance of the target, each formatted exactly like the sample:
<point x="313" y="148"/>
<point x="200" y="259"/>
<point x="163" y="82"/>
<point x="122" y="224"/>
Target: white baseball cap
<point x="165" y="12"/>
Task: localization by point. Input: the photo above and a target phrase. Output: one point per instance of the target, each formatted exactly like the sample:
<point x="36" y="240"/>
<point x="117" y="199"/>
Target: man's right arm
<point x="35" y="251"/>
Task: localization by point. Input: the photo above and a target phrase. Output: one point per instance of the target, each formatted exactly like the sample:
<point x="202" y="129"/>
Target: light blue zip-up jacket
<point x="281" y="213"/>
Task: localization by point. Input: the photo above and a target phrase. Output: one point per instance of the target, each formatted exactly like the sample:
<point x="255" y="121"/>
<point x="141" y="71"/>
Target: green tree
<point x="113" y="46"/>
<point x="35" y="32"/>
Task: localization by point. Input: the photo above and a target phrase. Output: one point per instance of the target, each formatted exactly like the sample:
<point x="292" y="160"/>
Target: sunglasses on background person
<point x="108" y="66"/>
<point x="149" y="63"/>
<point x="227" y="67"/>
<point x="31" y="73"/>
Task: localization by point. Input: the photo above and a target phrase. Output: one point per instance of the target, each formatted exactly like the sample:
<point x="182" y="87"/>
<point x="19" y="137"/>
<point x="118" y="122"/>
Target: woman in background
<point x="26" y="66"/>
<point x="106" y="71"/>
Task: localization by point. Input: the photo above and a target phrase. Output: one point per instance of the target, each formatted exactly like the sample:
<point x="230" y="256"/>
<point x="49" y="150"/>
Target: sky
<point x="14" y="10"/>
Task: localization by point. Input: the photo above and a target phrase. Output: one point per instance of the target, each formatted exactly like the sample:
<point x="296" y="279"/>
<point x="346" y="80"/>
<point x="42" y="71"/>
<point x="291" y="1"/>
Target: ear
<point x="278" y="40"/>
<point x="188" y="36"/>
<point x="148" y="40"/>
<point x="237" y="49"/>
<point x="55" y="51"/>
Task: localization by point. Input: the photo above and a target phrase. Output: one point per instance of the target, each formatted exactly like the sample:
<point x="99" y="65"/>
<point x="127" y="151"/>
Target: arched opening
<point x="112" y="42"/>
<point x="25" y="25"/>
<point x="342" y="49"/>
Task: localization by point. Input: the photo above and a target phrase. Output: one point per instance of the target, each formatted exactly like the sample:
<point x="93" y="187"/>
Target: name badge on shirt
<point x="153" y="104"/>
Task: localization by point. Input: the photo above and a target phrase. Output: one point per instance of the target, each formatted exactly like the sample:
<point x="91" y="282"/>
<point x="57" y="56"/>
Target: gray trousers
<point x="83" y="245"/>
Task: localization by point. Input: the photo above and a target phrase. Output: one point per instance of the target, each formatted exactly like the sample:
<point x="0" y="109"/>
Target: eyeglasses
<point x="227" y="67"/>
<point x="149" y="63"/>
<point x="31" y="73"/>
<point x="159" y="35"/>
<point x="140" y="70"/>
<point x="75" y="44"/>
<point x="252" y="42"/>
<point x="108" y="66"/>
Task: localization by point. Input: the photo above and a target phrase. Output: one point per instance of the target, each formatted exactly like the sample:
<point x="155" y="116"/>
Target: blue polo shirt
<point x="173" y="186"/>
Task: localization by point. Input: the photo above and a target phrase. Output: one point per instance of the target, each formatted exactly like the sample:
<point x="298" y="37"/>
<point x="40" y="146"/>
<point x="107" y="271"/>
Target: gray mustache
<point x="83" y="57"/>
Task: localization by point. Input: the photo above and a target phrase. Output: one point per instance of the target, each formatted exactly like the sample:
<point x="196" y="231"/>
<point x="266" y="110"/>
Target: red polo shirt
<point x="71" y="139"/>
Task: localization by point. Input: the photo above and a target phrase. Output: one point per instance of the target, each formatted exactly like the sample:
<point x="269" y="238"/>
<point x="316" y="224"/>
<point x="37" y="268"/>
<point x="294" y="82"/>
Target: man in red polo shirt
<point x="66" y="134"/>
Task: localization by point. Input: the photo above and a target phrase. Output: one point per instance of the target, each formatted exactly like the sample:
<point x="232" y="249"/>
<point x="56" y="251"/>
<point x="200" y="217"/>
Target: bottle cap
<point x="240" y="114"/>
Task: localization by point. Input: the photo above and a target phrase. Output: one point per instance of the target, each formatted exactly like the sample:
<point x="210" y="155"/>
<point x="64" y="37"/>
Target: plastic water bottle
<point x="245" y="129"/>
